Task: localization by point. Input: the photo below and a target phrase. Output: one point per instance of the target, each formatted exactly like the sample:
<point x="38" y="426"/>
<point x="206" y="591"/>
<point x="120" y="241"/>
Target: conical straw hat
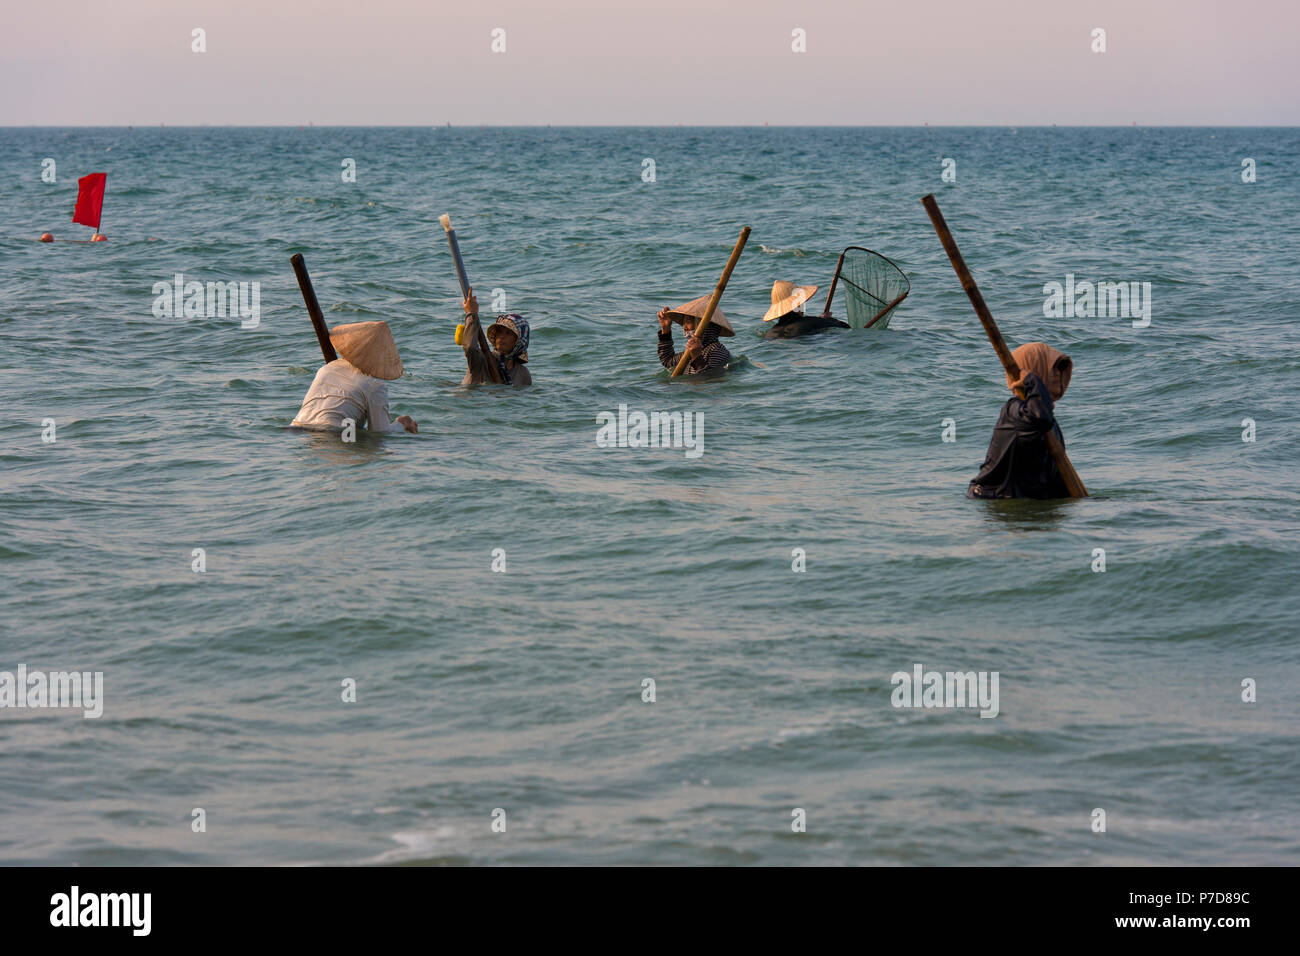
<point x="369" y="347"/>
<point x="696" y="308"/>
<point x="786" y="297"/>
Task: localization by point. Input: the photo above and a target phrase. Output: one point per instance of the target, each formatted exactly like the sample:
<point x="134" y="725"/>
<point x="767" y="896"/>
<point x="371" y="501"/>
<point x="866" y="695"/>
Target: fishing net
<point x="873" y="286"/>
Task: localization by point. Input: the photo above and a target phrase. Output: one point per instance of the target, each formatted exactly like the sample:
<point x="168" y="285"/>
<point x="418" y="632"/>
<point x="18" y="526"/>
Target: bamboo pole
<point x="717" y="295"/>
<point x="1073" y="483"/>
<point x="313" y="308"/>
<point x="885" y="311"/>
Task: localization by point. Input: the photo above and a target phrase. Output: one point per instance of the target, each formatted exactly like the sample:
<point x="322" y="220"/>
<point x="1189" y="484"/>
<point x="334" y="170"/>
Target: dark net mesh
<point x="871" y="284"/>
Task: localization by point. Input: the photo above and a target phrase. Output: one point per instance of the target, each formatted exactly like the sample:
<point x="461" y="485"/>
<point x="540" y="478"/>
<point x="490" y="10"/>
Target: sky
<point x="694" y="62"/>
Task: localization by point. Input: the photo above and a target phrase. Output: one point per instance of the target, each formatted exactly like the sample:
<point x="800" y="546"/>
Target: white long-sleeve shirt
<point x="340" y="391"/>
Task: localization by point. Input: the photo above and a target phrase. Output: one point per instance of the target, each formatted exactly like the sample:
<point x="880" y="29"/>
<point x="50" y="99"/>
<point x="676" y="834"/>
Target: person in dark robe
<point x="1018" y="463"/>
<point x="787" y="312"/>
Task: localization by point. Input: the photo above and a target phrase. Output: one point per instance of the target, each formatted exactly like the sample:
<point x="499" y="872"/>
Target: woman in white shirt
<point x="352" y="386"/>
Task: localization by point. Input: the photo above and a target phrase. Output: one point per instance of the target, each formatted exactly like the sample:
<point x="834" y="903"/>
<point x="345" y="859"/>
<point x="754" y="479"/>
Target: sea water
<point x="501" y="641"/>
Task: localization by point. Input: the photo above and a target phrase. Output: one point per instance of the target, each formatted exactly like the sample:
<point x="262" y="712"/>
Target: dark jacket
<point x="796" y="323"/>
<point x="476" y="362"/>
<point x="713" y="355"/>
<point x="1018" y="464"/>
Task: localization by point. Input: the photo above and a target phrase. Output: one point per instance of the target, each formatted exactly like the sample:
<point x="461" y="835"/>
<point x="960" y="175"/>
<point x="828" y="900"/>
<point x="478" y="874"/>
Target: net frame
<point x="883" y="308"/>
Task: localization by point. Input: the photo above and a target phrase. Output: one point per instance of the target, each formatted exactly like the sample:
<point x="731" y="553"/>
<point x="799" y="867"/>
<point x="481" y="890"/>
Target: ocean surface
<point x="516" y="696"/>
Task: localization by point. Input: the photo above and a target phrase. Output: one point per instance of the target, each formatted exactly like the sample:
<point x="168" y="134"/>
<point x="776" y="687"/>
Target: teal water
<point x="522" y="690"/>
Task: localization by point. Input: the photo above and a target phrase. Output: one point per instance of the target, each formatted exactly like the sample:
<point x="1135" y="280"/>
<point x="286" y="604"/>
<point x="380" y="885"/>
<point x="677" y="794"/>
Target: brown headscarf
<point x="1053" y="367"/>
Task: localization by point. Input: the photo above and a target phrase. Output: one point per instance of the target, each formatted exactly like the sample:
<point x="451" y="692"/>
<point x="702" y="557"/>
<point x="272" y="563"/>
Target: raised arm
<point x="667" y="357"/>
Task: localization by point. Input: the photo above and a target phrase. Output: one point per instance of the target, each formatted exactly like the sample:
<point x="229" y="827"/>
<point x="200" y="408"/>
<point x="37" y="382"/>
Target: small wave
<point x="777" y="251"/>
<point x="352" y="309"/>
<point x="418" y="845"/>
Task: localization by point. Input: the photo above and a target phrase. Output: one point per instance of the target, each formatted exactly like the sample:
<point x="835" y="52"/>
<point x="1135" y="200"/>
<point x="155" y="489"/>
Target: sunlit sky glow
<point x="593" y="62"/>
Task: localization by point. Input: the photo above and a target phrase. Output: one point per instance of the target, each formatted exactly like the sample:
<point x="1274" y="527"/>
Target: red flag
<point x="90" y="200"/>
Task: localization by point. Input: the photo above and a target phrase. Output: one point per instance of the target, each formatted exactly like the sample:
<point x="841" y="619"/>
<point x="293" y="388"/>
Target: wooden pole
<point x="445" y="220"/>
<point x="717" y="295"/>
<point x="885" y="311"/>
<point x="313" y="308"/>
<point x="1073" y="483"/>
<point x="835" y="280"/>
<point x="484" y="346"/>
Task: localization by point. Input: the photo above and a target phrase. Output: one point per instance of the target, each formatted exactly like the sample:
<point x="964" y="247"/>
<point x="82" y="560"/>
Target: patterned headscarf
<point x="517" y="324"/>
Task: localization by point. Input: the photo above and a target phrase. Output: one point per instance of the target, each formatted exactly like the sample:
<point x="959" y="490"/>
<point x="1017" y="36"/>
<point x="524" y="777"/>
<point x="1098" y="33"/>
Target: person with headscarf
<point x="787" y="312"/>
<point x="508" y="336"/>
<point x="1018" y="463"/>
<point x="706" y="353"/>
<point x="353" y="386"/>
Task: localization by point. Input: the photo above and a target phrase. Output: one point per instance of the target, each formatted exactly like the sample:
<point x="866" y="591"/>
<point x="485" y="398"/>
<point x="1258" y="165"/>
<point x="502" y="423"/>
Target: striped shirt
<point x="713" y="356"/>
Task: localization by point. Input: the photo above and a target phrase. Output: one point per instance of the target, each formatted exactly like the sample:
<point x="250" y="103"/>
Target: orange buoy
<point x="47" y="237"/>
<point x="98" y="238"/>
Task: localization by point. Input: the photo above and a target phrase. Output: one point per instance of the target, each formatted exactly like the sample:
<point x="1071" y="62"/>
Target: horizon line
<point x="311" y="125"/>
